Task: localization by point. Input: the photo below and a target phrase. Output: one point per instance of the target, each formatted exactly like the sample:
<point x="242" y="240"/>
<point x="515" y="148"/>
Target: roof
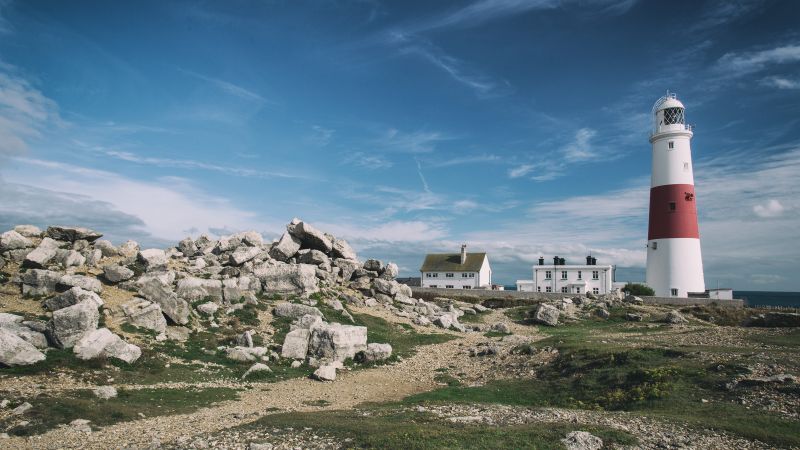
<point x="451" y="262"/>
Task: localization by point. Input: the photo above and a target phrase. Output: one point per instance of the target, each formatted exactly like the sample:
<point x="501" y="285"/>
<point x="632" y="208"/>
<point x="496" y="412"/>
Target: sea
<point x="754" y="298"/>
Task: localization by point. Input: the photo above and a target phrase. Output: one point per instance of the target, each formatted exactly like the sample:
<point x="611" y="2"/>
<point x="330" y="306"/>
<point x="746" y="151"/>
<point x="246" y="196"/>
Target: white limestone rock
<point x="103" y="343"/>
<point x="42" y="255"/>
<point x="255" y="368"/>
<point x="145" y="314"/>
<point x="72" y="234"/>
<point x="243" y="254"/>
<point x="311" y="237"/>
<point x="337" y="342"/>
<point x="325" y="372"/>
<point x="375" y="352"/>
<point x="70" y="324"/>
<point x="158" y="289"/>
<point x="15" y="351"/>
<point x="114" y="273"/>
<point x="295" y="310"/>
<point x="12" y="240"/>
<point x="192" y="288"/>
<point x="73" y="296"/>
<point x="29" y="231"/>
<point x="299" y="279"/>
<point x="152" y="259"/>
<point x="285" y="248"/>
<point x="295" y="345"/>
<point x="105" y="392"/>
<point x="547" y="315"/>
<point x="81" y="281"/>
<point x="38" y="282"/>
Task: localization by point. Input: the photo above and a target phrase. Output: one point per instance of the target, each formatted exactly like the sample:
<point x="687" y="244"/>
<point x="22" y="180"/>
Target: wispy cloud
<point x="723" y="12"/>
<point x="24" y="113"/>
<point x="742" y="63"/>
<point x="192" y="165"/>
<point x="781" y="83"/>
<point x="368" y="161"/>
<point x="5" y="26"/>
<point x="520" y="170"/>
<point x="321" y="135"/>
<point x="772" y="208"/>
<point x="229" y="88"/>
<point x="580" y="149"/>
<point x="425" y="186"/>
<point x="410" y="142"/>
<point x="464" y="160"/>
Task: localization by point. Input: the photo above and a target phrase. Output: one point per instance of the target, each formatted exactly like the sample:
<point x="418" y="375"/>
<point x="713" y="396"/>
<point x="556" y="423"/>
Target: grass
<point x="403" y="341"/>
<point x="493" y="334"/>
<point x="473" y="318"/>
<point x="50" y="411"/>
<point x="781" y="338"/>
<point x="393" y="427"/>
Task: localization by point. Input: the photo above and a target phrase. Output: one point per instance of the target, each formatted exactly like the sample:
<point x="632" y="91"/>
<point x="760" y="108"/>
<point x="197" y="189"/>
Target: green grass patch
<point x="50" y="411"/>
<point x="494" y="334"/>
<point x="473" y="318"/>
<point x="403" y="341"/>
<point x="779" y="336"/>
<point x="446" y="378"/>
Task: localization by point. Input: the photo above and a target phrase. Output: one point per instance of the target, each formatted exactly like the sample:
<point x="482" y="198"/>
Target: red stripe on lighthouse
<point x="673" y="212"/>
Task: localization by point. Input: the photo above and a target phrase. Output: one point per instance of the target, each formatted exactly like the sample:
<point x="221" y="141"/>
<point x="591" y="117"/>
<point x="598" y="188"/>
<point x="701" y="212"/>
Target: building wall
<point x="485" y="275"/>
<point x="603" y="283"/>
<point x="457" y="281"/>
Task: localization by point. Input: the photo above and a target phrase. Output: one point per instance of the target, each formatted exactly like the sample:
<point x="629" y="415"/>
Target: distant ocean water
<point x="753" y="298"/>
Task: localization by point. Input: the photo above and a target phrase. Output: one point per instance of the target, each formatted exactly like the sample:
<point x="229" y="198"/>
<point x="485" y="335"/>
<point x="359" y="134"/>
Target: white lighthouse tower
<point x="674" y="262"/>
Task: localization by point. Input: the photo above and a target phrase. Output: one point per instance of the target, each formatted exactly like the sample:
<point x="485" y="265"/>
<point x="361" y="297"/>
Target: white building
<point x="456" y="270"/>
<point x="570" y="278"/>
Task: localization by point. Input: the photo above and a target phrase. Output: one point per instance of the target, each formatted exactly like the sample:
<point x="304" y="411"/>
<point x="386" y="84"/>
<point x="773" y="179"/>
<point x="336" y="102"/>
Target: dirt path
<point x="382" y="384"/>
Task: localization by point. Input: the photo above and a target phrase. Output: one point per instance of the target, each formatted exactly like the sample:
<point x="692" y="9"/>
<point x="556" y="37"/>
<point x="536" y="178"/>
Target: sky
<point x="406" y="127"/>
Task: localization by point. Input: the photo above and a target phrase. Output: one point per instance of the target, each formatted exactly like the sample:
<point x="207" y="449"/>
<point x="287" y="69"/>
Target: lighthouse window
<point x="686" y="167"/>
<point x="672" y="206"/>
<point x="673" y="116"/>
<point x="671" y="145"/>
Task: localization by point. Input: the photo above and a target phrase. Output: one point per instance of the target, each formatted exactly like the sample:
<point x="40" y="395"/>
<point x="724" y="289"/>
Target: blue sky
<point x="518" y="127"/>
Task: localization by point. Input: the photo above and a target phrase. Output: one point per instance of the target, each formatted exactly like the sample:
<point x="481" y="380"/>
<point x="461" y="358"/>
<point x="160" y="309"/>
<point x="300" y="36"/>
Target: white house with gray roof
<point x="456" y="270"/>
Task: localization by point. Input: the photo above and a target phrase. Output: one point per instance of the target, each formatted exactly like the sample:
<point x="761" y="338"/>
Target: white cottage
<point x="560" y="277"/>
<point x="456" y="270"/>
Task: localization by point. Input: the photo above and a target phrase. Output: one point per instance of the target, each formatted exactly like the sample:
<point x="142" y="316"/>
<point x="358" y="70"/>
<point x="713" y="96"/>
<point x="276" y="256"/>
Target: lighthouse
<point x="674" y="261"/>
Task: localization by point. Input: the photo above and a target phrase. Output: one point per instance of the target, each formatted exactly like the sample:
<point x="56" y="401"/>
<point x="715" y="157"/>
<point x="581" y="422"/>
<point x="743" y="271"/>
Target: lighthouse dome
<point x="668" y="114"/>
<point x="670" y="102"/>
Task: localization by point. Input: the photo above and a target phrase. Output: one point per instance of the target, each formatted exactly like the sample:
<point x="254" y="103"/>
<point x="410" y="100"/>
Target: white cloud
<point x="410" y="142"/>
<point x="367" y="161"/>
<point x="752" y="61"/>
<point x="520" y="170"/>
<point x="723" y="12"/>
<point x="364" y="236"/>
<point x="463" y="160"/>
<point x="24" y="113"/>
<point x="229" y="88"/>
<point x="165" y="208"/>
<point x="772" y="208"/>
<point x="580" y="148"/>
<point x="780" y="83"/>
<point x="320" y="135"/>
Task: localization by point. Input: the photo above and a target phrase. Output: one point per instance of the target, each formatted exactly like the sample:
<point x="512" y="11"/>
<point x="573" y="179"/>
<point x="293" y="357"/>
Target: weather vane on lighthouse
<point x="674" y="260"/>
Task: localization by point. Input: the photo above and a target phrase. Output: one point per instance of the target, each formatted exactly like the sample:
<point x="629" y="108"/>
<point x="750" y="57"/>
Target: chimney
<point x="594" y="261"/>
<point x="588" y="260"/>
<point x="541" y="260"/>
<point x="556" y="260"/>
<point x="463" y="254"/>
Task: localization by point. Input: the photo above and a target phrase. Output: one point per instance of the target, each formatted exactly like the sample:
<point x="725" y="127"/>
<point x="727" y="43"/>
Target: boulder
<point x="501" y="327"/>
<point x="347" y="267"/>
<point x="337" y="342"/>
<point x="295" y="310"/>
<point x="300" y="279"/>
<point x="106" y="248"/>
<point x="129" y="249"/>
<point x="295" y="345"/>
<point x="10" y="319"/>
<point x="192" y="288"/>
<point x="634" y="300"/>
<point x="326" y="372"/>
<point x="314" y="257"/>
<point x="187" y="247"/>
<point x="243" y="254"/>
<point x="145" y="314"/>
<point x="28" y="231"/>
<point x="311" y="237"/>
<point x="152" y="259"/>
<point x="245" y="354"/>
<point x="375" y="352"/>
<point x="675" y="318"/>
<point x="73" y="296"/>
<point x="29" y="331"/>
<point x="444" y="321"/>
<point x="42" y="255"/>
<point x="631" y="317"/>
<point x="245" y="339"/>
<point x="38" y="282"/>
<point x="251" y="238"/>
<point x="581" y="440"/>
<point x="72" y="234"/>
<point x="158" y="290"/>
<point x="12" y="240"/>
<point x="306" y="322"/>
<point x="341" y="249"/>
<point x="546" y="315"/>
<point x="255" y="368"/>
<point x="69" y="258"/>
<point x="93" y="257"/>
<point x="388" y="287"/>
<point x="102" y="343"/>
<point x="373" y="265"/>
<point x="70" y="324"/>
<point x="105" y="392"/>
<point x="115" y="273"/>
<point x="15" y="351"/>
<point x="285" y="248"/>
<point x="208" y="309"/>
<point x="602" y="313"/>
<point x="390" y="272"/>
<point x="81" y="281"/>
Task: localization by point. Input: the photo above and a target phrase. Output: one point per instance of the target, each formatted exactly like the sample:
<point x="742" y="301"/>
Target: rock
<point x="69" y="258"/>
<point x="285" y="248"/>
<point x="28" y="231"/>
<point x="675" y="318"/>
<point x="386" y="286"/>
<point x="243" y="254"/>
<point x="145" y="314"/>
<point x="71" y="297"/>
<point x="341" y="249"/>
<point x="70" y="324"/>
<point x="422" y="321"/>
<point x="337" y="342"/>
<point x="781" y="378"/>
<point x="115" y="274"/>
<point x="296" y="364"/>
<point x="93" y="257"/>
<point x="81" y="281"/>
<point x="634" y="300"/>
<point x="208" y="308"/>
<point x="191" y="289"/>
<point x="12" y="240"/>
<point x="581" y="440"/>
<point x="31" y="332"/>
<point x="390" y="271"/>
<point x="37" y="282"/>
<point x="72" y="234"/>
<point x="233" y="289"/>
<point x="295" y="345"/>
<point x="546" y="315"/>
<point x="375" y="352"/>
<point x="81" y="426"/>
<point x="602" y="313"/>
<point x="307" y="322"/>
<point x="245" y="339"/>
<point x="187" y="247"/>
<point x="103" y="343"/>
<point x="311" y="237"/>
<point x="15" y="351"/>
<point x="158" y="290"/>
<point x="325" y="373"/>
<point x="129" y="249"/>
<point x="477" y="307"/>
<point x="105" y="392"/>
<point x="180" y="334"/>
<point x="7" y="319"/>
<point x="255" y="368"/>
<point x="314" y="257"/>
<point x="444" y="321"/>
<point x="631" y="317"/>
<point x="501" y="327"/>
<point x="106" y="248"/>
<point x="373" y="265"/>
<point x="295" y="310"/>
<point x="152" y="259"/>
<point x="299" y="279"/>
<point x="21" y="409"/>
<point x="245" y="354"/>
<point x="42" y="255"/>
<point x="347" y="267"/>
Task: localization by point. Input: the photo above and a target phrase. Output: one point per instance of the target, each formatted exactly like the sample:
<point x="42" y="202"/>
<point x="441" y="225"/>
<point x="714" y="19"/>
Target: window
<point x="431" y="275"/>
<point x="673" y="116"/>
<point x="580" y="275"/>
<point x="448" y="275"/>
<point x="595" y="290"/>
<point x="538" y="289"/>
<point x="654" y="246"/>
<point x="467" y="275"/>
<point x="434" y="286"/>
<point x="595" y="274"/>
<point x="449" y="286"/>
<point x="671" y="145"/>
<point x="686" y="167"/>
<point x="577" y="290"/>
<point x="563" y="274"/>
<point x="564" y="290"/>
<point x="548" y="274"/>
<point x="673" y="292"/>
<point x="672" y="206"/>
<point x="548" y="289"/>
<point x="467" y="287"/>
